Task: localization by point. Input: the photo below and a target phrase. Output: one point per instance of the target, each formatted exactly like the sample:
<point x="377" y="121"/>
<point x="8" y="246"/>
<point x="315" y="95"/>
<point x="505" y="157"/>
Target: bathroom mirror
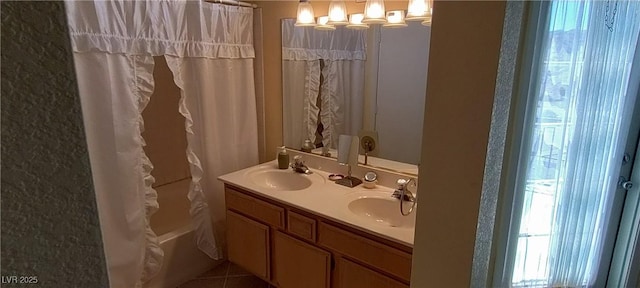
<point x="358" y="82"/>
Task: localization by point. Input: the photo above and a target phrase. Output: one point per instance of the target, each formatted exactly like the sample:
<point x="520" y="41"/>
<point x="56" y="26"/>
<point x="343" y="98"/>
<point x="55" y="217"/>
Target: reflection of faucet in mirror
<point x="347" y="81"/>
<point x="348" y="156"/>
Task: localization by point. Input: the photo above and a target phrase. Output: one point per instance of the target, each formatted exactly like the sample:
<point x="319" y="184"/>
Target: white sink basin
<point x="383" y="210"/>
<point x="282" y="180"/>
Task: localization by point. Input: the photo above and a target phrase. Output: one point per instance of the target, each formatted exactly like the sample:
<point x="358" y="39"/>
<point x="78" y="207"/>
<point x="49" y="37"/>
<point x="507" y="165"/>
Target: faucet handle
<point x="402" y="183"/>
<point x="298" y="159"/>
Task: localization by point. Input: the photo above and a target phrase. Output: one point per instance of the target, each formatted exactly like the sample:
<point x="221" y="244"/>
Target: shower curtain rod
<point x="232" y="2"/>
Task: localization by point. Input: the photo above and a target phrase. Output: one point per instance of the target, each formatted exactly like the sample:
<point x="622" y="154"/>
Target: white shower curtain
<point x="207" y="46"/>
<point x="114" y="89"/>
<point x="342" y="53"/>
<point x="222" y="134"/>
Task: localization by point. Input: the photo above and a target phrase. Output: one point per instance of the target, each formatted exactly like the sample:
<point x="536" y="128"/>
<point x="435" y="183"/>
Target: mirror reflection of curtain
<point x="300" y="101"/>
<point x="338" y="81"/>
<point x="343" y="97"/>
<point x="208" y="48"/>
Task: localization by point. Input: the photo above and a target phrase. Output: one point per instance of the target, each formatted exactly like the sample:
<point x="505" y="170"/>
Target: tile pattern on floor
<point x="226" y="275"/>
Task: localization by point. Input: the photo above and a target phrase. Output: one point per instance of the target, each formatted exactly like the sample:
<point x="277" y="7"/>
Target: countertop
<point x="326" y="199"/>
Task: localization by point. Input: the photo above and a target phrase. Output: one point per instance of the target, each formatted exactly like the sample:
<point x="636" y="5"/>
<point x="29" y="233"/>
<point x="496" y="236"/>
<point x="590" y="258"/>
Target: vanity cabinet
<point x="291" y="248"/>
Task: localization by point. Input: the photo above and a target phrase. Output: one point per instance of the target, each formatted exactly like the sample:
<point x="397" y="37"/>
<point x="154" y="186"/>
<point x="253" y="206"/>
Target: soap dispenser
<point x="283" y="158"/>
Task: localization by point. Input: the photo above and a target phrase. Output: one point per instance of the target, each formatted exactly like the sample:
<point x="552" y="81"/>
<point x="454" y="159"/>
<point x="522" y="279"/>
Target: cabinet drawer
<point x="256" y="208"/>
<point x="302" y="226"/>
<point x="385" y="258"/>
<point x="352" y="275"/>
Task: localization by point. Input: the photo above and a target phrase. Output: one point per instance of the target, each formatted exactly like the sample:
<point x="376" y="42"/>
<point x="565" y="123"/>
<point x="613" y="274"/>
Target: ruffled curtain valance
<point x="301" y="43"/>
<point x="160" y="28"/>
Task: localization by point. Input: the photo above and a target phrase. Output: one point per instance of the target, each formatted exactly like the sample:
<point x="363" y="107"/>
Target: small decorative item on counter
<point x="307" y="146"/>
<point x="336" y="177"/>
<point x="283" y="158"/>
<point x="370" y="180"/>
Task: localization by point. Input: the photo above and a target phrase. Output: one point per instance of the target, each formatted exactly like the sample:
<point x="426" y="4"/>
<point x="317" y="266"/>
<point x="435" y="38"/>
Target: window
<point x="579" y="86"/>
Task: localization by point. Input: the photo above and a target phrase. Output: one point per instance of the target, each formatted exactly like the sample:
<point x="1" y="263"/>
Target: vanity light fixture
<point x="427" y="20"/>
<point x="417" y="10"/>
<point x="338" y="13"/>
<point x="395" y="19"/>
<point x="355" y="21"/>
<point x="305" y="18"/>
<point x="323" y="24"/>
<point x="374" y="12"/>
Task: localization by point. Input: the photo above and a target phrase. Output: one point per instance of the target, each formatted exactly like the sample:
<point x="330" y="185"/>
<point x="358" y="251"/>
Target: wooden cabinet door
<point x="298" y="264"/>
<point x="351" y="275"/>
<point x="248" y="244"/>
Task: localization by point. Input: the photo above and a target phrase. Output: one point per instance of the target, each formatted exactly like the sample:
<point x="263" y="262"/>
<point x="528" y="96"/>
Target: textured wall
<point x="495" y="173"/>
<point x="50" y="224"/>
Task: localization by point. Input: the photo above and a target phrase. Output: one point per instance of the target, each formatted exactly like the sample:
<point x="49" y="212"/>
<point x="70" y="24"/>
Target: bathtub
<point x="182" y="259"/>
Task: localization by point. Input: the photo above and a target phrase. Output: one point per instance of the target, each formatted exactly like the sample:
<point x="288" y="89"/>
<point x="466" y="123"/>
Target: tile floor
<point x="226" y="275"/>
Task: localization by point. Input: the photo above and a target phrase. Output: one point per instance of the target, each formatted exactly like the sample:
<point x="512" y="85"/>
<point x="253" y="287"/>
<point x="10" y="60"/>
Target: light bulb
<point x="355" y="21"/>
<point x="395" y="19"/>
<point x="338" y="13"/>
<point x="427" y="20"/>
<point x="417" y="10"/>
<point x="322" y="24"/>
<point x="305" y="15"/>
<point x="374" y="12"/>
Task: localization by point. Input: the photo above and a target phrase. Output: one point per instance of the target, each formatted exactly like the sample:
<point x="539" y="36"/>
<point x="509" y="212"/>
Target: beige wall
<point x="164" y="130"/>
<point x="272" y="13"/>
<point x="465" y="46"/>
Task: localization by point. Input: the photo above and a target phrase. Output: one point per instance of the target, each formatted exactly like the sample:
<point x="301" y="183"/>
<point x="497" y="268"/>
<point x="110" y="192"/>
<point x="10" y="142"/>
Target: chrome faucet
<point x="403" y="192"/>
<point x="298" y="165"/>
<point x="404" y="195"/>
